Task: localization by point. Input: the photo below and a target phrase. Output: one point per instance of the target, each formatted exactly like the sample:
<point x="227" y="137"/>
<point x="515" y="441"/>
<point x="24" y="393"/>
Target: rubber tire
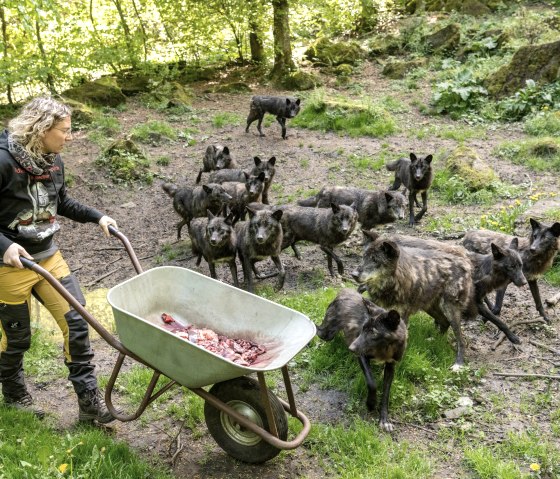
<point x="244" y="393"/>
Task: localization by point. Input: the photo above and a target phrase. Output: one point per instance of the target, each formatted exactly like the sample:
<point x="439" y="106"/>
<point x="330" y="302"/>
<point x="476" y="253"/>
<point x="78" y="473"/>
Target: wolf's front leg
<point x="424" y="206"/>
<point x="388" y="375"/>
<point x="371" y="401"/>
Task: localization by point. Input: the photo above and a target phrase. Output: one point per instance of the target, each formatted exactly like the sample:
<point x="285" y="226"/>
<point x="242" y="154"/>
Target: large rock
<point x="101" y="92"/>
<point x="133" y="83"/>
<point x="444" y="40"/>
<point x="540" y="63"/>
<point x="398" y="70"/>
<point x="329" y="53"/>
<point x="465" y="163"/>
<point x="81" y="114"/>
<point x="468" y="7"/>
<point x="172" y="94"/>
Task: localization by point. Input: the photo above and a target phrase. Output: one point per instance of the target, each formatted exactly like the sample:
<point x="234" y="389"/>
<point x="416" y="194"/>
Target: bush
<point x="457" y="96"/>
<point x="531" y="99"/>
<point x="544" y="123"/>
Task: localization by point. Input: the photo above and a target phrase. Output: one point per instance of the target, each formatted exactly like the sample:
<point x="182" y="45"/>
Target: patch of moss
<point x="465" y="163"/>
<point x="101" y="92"/>
<point x="326" y="52"/>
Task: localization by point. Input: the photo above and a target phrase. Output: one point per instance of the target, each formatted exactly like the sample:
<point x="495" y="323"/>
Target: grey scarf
<point x="36" y="165"/>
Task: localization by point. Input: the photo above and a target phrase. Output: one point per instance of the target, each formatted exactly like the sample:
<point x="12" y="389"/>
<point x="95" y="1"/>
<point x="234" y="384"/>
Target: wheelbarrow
<point x="243" y="416"/>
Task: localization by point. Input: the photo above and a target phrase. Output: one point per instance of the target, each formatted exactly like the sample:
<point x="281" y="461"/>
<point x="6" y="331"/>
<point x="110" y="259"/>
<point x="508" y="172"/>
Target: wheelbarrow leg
<point x="146" y="400"/>
<point x="266" y="404"/>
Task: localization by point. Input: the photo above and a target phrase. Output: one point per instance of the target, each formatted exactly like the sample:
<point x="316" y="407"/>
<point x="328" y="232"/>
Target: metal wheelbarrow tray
<point x="244" y="417"/>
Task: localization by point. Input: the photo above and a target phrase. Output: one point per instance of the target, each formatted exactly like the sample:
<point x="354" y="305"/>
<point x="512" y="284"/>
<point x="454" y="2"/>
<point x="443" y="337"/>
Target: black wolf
<point x="374" y="207"/>
<point x="214" y="239"/>
<point x="537" y="253"/>
<point x="412" y="279"/>
<point x="490" y="271"/>
<point x="280" y="106"/>
<point x="258" y="238"/>
<point x="216" y="157"/>
<point x="370" y="332"/>
<point x="269" y="170"/>
<point x="416" y="176"/>
<point x="325" y="227"/>
<point x="194" y="202"/>
<point x="244" y="193"/>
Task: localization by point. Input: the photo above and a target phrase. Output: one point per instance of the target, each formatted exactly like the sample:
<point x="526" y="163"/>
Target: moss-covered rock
<point x="101" y="92"/>
<point x="465" y="163"/>
<point x="299" y="81"/>
<point x="468" y="7"/>
<point x="172" y="94"/>
<point x="233" y="87"/>
<point x="540" y="63"/>
<point x="81" y="114"/>
<point x="384" y="45"/>
<point x="326" y="52"/>
<point x="445" y="40"/>
<point x="133" y="83"/>
<point x="398" y="70"/>
<point x="126" y="162"/>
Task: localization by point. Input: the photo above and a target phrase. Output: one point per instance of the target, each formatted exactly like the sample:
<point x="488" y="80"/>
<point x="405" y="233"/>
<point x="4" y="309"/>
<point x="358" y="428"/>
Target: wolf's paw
<point x="457" y="367"/>
<point x="386" y="426"/>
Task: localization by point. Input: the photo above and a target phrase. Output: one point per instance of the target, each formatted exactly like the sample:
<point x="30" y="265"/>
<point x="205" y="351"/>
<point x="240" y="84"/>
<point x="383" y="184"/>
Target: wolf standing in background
<point x="374" y="207"/>
<point x="537" y="253"/>
<point x="412" y="279"/>
<point x="192" y="203"/>
<point x="216" y="157"/>
<point x="280" y="106"/>
<point x="370" y="332"/>
<point x="416" y="176"/>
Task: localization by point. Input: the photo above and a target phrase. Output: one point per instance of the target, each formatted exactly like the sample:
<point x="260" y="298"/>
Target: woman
<point x="32" y="194"/>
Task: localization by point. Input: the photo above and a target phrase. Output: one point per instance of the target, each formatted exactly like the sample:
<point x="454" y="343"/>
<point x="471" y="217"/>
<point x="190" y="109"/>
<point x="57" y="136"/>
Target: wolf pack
<point x="229" y="218"/>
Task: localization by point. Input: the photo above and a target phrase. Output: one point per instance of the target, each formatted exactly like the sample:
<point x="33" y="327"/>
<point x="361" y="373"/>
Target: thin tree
<point x="127" y="35"/>
<point x="256" y="43"/>
<point x="96" y="34"/>
<point x="49" y="80"/>
<point x="5" y="53"/>
<point x="143" y="29"/>
<point x="283" y="62"/>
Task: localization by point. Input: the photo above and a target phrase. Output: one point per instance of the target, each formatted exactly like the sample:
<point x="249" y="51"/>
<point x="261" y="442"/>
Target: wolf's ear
<point x="257" y="160"/>
<point x="288" y="101"/>
<point x="298" y="101"/>
<point x="370" y="235"/>
<point x="390" y="249"/>
<point x="413" y="157"/>
<point x="391" y="320"/>
<point x="272" y="160"/>
<point x="335" y="207"/>
<point x="209" y="214"/>
<point x="429" y="159"/>
<point x="514" y="243"/>
<point x="389" y="197"/>
<point x="250" y="211"/>
<point x="207" y="189"/>
<point x="555" y="229"/>
<point x="497" y="253"/>
<point x="246" y="175"/>
<point x="261" y="176"/>
<point x="226" y="150"/>
<point x="354" y="206"/>
<point x="534" y="223"/>
<point x="277" y="215"/>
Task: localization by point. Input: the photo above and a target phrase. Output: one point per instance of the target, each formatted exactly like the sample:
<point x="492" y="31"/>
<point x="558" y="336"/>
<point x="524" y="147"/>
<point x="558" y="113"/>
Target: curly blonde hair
<point x="37" y="117"/>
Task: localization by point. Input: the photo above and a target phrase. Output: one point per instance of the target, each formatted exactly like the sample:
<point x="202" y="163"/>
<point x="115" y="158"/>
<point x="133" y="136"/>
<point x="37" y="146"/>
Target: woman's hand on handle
<point x="105" y="222"/>
<point x="12" y="254"/>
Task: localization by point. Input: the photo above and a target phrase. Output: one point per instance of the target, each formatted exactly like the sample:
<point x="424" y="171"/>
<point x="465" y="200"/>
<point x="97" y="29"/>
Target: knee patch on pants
<point x="16" y="330"/>
<point x="70" y="282"/>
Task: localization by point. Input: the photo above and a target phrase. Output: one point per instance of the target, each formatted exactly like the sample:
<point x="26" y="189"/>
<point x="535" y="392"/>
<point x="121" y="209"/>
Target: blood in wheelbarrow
<point x="239" y="351"/>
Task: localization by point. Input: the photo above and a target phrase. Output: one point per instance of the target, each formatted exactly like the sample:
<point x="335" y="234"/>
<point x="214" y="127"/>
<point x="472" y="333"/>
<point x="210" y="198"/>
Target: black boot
<point x="93" y="407"/>
<point x="24" y="403"/>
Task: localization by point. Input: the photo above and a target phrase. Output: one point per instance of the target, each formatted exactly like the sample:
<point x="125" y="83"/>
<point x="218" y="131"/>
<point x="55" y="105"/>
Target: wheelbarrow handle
<point x="128" y="247"/>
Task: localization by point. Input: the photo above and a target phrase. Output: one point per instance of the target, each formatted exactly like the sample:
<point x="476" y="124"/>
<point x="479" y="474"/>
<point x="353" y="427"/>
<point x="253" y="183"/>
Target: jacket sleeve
<point x="73" y="209"/>
<point x="5" y="243"/>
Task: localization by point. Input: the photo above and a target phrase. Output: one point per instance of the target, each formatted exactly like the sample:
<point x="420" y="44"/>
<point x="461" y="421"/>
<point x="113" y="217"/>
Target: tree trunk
<point x="49" y="79"/>
<point x="144" y="37"/>
<point x="96" y="34"/>
<point x="5" y="52"/>
<point x="256" y="43"/>
<point x="127" y="35"/>
<point x="283" y="62"/>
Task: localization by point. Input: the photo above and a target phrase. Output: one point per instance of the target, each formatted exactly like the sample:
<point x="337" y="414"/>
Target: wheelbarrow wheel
<point x="244" y="395"/>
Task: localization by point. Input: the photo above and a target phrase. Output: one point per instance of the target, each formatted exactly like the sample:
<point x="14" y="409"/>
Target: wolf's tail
<point x="170" y="189"/>
<point x="392" y="166"/>
<point x="323" y="331"/>
<point x="199" y="177"/>
<point x="311" y="201"/>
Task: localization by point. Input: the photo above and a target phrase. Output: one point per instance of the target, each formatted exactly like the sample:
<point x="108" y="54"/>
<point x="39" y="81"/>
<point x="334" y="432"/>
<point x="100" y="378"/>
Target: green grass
<point x="221" y="119"/>
<point x="103" y="129"/>
<point x="153" y="131"/>
<point x="45" y="359"/>
<point x="546" y="123"/>
<point x="353" y="118"/>
<point x="539" y="154"/>
<point x="34" y="449"/>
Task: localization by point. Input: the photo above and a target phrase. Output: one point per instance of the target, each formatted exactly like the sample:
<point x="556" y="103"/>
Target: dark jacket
<point x="29" y="205"/>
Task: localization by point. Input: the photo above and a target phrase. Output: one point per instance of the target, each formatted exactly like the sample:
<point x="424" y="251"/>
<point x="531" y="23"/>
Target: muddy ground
<point x="307" y="159"/>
